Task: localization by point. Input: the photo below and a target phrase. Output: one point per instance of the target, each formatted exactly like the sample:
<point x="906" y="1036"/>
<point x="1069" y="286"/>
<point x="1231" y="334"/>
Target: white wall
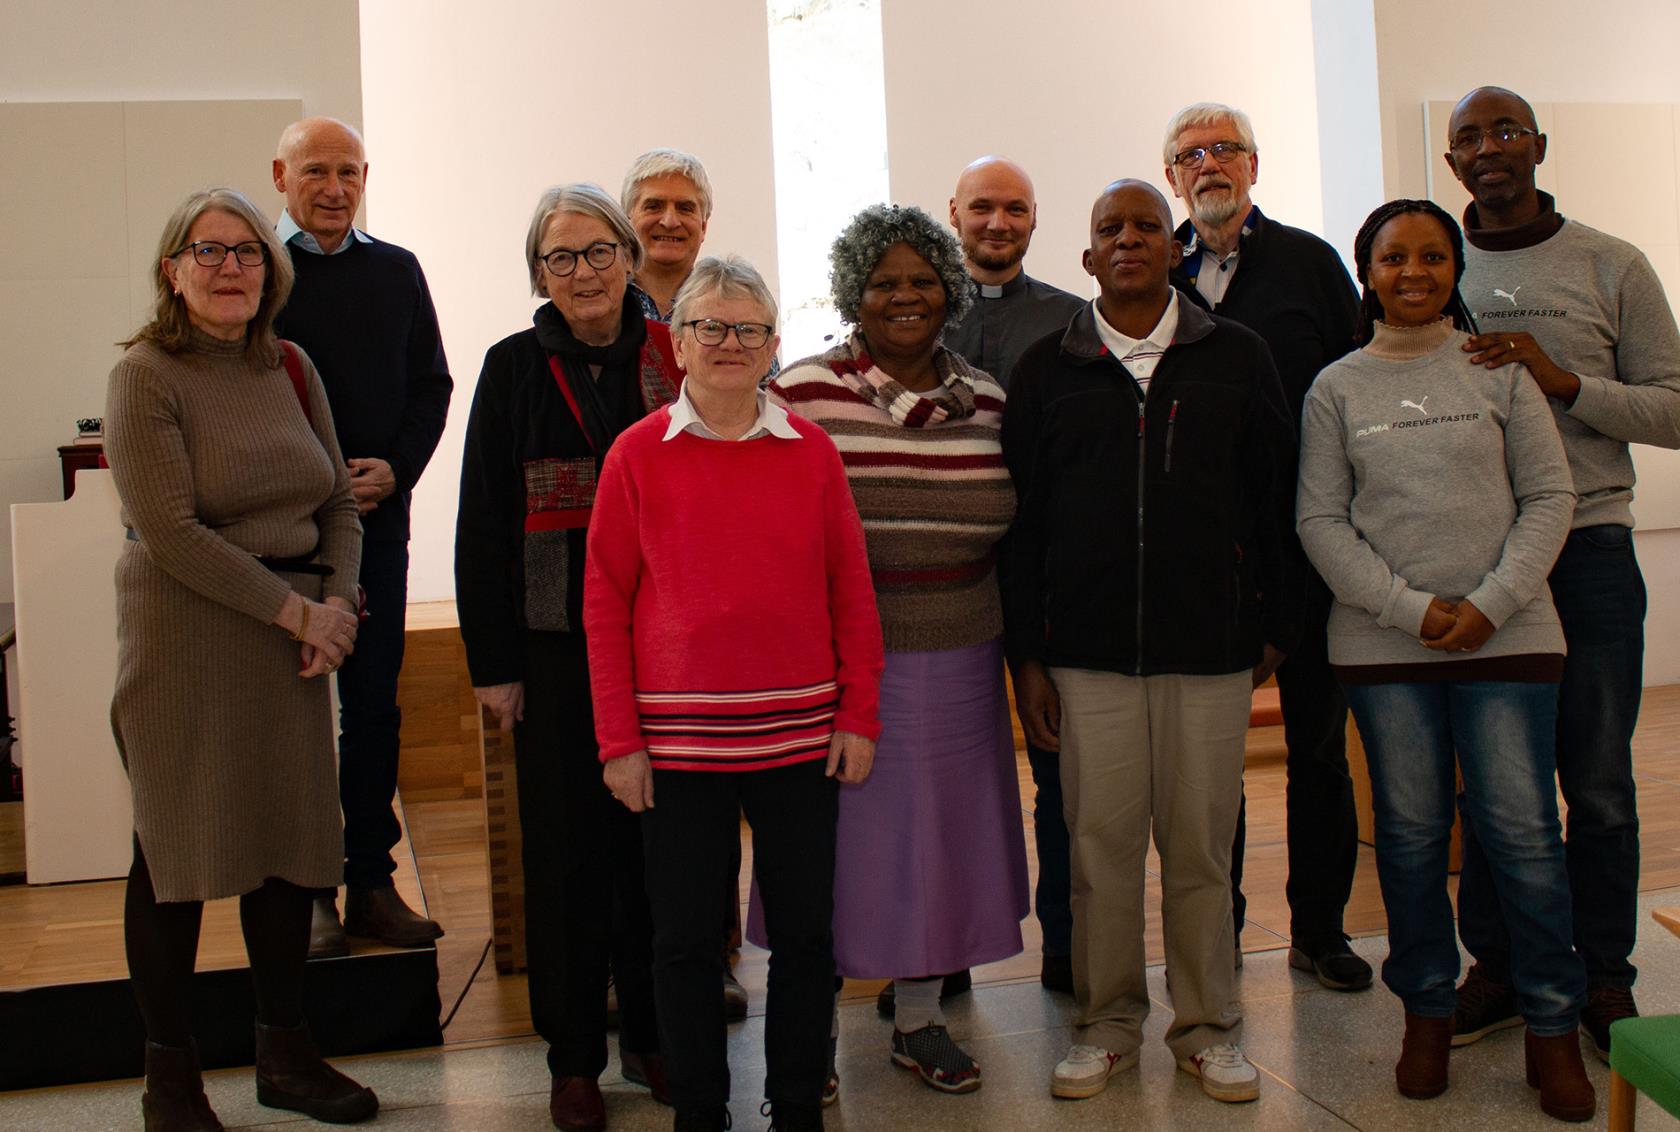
<point x="54" y="351"/>
<point x="1079" y="92"/>
<point x="1548" y="51"/>
<point x="472" y="110"/>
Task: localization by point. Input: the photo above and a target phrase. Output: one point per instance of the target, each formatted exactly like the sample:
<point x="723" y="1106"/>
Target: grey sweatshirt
<point x="1429" y="478"/>
<point x="1594" y="304"/>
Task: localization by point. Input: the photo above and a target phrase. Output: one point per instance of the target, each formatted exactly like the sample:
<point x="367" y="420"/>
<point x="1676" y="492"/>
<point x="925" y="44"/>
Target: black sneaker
<point x="939" y="1061"/>
<point x="1604" y="1006"/>
<point x="1336" y="966"/>
<point x="1483" y="1007"/>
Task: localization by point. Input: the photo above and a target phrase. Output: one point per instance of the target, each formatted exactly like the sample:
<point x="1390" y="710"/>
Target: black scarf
<point x="612" y="402"/>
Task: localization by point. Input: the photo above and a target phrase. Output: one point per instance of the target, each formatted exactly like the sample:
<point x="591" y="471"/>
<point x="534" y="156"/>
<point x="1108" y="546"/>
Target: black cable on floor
<point x="462" y="997"/>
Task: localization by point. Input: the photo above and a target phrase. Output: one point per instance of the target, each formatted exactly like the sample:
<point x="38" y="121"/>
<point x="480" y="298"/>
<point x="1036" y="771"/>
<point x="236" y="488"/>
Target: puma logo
<point x="1418" y="405"/>
<point x="1510" y="296"/>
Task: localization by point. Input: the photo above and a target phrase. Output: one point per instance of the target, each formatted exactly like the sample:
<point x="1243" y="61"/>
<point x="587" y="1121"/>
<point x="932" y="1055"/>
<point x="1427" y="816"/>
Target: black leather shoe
<point x="734" y="997"/>
<point x="326" y="934"/>
<point x="1336" y="966"/>
<point x="575" y="1105"/>
<point x="379" y="913"/>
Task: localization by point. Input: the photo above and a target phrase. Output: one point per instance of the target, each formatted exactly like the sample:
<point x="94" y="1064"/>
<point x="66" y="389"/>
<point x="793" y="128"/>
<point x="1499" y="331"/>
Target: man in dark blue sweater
<point x="362" y="311"/>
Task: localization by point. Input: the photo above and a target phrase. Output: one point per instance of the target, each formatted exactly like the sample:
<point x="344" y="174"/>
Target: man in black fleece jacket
<point x="1289" y="287"/>
<point x="1150" y="580"/>
<point x="362" y="312"/>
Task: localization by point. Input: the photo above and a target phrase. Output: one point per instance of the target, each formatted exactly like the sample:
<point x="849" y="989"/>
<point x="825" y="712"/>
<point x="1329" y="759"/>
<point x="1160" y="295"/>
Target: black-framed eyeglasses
<point x="561" y="262"/>
<point x="711" y="332"/>
<point x="1223" y="152"/>
<point x="1467" y="140"/>
<point x="211" y="253"/>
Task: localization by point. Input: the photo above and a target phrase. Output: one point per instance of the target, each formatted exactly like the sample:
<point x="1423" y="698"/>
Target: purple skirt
<point x="931" y="865"/>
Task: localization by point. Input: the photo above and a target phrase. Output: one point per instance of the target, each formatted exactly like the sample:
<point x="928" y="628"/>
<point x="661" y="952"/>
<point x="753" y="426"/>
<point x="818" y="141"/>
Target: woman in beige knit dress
<point x="235" y="598"/>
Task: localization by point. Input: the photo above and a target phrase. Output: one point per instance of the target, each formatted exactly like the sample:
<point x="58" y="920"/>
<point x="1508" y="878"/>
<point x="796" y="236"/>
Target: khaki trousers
<point x="1167" y="752"/>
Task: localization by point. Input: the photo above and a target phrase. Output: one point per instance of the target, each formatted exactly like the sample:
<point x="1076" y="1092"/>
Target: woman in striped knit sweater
<point x="932" y="875"/>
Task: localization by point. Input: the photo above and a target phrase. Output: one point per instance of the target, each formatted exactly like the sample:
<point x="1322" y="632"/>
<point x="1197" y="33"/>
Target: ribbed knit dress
<point x="932" y="874"/>
<point x="229" y="752"/>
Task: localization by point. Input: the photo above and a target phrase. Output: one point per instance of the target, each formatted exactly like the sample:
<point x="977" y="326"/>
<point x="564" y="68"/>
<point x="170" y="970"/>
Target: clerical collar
<point x="1002" y="290"/>
<point x="1517" y="237"/>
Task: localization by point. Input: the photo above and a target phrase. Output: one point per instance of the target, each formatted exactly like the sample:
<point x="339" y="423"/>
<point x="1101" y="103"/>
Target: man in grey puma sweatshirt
<point x="1585" y="313"/>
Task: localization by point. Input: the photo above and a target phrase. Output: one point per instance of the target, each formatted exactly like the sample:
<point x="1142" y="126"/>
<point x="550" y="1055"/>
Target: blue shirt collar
<point x="289" y="232"/>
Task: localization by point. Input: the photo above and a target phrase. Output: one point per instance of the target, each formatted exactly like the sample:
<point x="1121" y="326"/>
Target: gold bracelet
<point x="303" y="622"/>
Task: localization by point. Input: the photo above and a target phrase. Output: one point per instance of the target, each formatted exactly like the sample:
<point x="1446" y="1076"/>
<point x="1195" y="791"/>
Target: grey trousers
<point x="1163" y="752"/>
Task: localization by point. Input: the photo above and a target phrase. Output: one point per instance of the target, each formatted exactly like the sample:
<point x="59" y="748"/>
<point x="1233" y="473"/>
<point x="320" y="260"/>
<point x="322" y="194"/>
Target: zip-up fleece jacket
<point x="1154" y="534"/>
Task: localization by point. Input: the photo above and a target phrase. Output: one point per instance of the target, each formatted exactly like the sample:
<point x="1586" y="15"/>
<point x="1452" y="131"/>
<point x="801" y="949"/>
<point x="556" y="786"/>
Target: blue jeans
<point x="1600" y="597"/>
<point x="1502" y="734"/>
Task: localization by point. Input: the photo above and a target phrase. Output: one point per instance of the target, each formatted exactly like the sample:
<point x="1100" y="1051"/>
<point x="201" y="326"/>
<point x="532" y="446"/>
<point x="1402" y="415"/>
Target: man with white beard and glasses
<point x="1291" y="288"/>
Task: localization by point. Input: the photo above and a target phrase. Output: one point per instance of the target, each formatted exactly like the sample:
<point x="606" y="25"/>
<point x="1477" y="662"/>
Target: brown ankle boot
<point x="1554" y="1067"/>
<point x="1421" y="1072"/>
<point x="291" y="1074"/>
<point x="174" y="1100"/>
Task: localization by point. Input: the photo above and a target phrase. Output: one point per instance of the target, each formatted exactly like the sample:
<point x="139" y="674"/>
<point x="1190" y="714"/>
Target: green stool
<point x="1644" y="1058"/>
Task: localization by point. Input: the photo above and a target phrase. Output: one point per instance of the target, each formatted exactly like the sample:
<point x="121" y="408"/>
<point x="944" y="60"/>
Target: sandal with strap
<point x="938" y="1060"/>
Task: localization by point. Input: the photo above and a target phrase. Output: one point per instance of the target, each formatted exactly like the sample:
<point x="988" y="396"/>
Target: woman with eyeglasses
<point x="551" y="401"/>
<point x="932" y="876"/>
<point x="235" y="600"/>
<point x="734" y="653"/>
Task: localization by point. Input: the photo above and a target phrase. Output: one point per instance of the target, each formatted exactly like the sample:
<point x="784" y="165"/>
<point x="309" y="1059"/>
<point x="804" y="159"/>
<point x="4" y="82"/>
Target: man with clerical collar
<point x="994" y="213"/>
<point x="1586" y="314"/>
<point x="362" y="312"/>
<point x="1150" y="581"/>
<point x="1292" y="289"/>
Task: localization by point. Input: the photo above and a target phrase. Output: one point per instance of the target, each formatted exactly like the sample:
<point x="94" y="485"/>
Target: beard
<point x="995" y="259"/>
<point x="1213" y="208"/>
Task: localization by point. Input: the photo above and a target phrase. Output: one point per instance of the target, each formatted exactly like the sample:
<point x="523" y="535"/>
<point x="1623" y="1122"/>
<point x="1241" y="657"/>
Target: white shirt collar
<point x="772" y="419"/>
<point x="289" y="232"/>
<point x="1160" y="338"/>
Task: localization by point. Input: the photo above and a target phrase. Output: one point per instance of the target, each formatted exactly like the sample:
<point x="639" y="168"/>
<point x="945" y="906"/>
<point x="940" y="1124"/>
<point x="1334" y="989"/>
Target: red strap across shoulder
<point x="294" y="370"/>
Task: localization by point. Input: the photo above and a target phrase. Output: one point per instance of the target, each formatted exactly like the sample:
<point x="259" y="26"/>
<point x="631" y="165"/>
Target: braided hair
<point x="1370" y="309"/>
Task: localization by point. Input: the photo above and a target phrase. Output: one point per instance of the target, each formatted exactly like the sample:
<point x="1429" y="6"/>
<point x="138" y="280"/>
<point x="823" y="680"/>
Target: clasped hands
<point x="325" y="631"/>
<point x="1454" y="626"/>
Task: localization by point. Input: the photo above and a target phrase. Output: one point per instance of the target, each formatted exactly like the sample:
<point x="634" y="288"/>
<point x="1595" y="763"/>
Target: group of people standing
<point x="697" y="585"/>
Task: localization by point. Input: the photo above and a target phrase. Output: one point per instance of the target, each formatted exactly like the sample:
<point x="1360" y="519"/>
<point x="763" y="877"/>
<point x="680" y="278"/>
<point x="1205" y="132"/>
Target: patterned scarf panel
<point x="953" y="399"/>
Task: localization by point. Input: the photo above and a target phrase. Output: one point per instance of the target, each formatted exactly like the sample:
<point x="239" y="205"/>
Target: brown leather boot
<point x="326" y="933"/>
<point x="379" y="913"/>
<point x="1554" y="1067"/>
<point x="291" y="1074"/>
<point x="1421" y="1072"/>
<point x="575" y="1105"/>
<point x="174" y="1099"/>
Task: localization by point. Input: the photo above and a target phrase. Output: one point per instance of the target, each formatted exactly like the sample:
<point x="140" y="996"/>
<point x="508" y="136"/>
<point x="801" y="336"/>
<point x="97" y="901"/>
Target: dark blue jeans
<point x="1053" y="895"/>
<point x="1502" y="734"/>
<point x="1600" y="597"/>
<point x="370" y="723"/>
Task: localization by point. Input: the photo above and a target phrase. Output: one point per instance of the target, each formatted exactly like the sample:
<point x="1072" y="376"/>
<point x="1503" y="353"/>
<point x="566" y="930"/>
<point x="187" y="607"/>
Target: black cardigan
<point x="1152" y="535"/>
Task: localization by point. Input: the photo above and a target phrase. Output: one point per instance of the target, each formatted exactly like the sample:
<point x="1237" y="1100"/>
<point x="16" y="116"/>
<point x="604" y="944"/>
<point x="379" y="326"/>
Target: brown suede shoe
<point x="291" y="1074"/>
<point x="1554" y="1067"/>
<point x="326" y="934"/>
<point x="174" y="1099"/>
<point x="575" y="1105"/>
<point x="1421" y="1072"/>
<point x="379" y="913"/>
<point x="646" y="1070"/>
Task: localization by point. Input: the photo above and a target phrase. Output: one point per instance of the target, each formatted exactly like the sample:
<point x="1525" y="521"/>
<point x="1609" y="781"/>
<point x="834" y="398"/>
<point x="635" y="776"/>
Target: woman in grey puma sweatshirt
<point x="1434" y="497"/>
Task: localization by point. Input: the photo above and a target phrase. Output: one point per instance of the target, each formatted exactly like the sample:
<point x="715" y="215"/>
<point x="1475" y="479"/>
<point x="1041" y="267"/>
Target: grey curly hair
<point x="863" y="242"/>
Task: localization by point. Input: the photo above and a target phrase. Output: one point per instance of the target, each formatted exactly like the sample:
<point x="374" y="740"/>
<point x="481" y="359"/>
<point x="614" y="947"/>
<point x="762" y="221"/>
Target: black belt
<point x="302" y="564"/>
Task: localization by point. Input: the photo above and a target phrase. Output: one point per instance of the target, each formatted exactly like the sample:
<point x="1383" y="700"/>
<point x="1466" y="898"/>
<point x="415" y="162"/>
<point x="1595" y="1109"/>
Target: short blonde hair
<point x="585" y="199"/>
<point x="171" y="324"/>
<point x="1206" y="114"/>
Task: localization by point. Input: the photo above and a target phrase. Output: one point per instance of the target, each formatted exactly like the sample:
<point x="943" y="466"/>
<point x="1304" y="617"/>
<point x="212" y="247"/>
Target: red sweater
<point x="727" y="601"/>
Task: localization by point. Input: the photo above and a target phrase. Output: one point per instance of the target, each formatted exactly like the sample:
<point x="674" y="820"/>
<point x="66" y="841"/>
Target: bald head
<point x="1131" y="255"/>
<point x="1494" y="144"/>
<point x="1128" y="185"/>
<point x="321" y="168"/>
<point x="1509" y="102"/>
<point x="994" y="213"/>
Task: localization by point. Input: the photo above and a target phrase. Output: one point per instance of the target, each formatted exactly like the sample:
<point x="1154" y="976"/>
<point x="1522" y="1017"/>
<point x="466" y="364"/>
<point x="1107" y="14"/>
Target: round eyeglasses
<point x="561" y="262"/>
<point x="1223" y="152"/>
<point x="711" y="332"/>
<point x="210" y="253"/>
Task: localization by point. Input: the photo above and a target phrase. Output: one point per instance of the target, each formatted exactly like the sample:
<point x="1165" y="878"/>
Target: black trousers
<point x="586" y="905"/>
<point x="1323" y="828"/>
<point x="370" y="723"/>
<point x="688" y="833"/>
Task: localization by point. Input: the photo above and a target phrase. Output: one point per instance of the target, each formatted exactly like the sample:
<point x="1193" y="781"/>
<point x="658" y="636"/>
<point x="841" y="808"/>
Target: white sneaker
<point x="1085" y="1071"/>
<point x="1226" y="1074"/>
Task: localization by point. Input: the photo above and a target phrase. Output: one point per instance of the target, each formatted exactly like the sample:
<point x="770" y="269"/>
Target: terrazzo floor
<point x="1326" y="1062"/>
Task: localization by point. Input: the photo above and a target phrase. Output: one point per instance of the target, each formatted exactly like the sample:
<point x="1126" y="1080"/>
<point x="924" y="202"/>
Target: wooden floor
<point x="448" y="838"/>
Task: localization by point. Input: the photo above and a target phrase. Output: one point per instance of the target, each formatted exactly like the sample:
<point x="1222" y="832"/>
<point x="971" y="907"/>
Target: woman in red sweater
<point x="734" y="657"/>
